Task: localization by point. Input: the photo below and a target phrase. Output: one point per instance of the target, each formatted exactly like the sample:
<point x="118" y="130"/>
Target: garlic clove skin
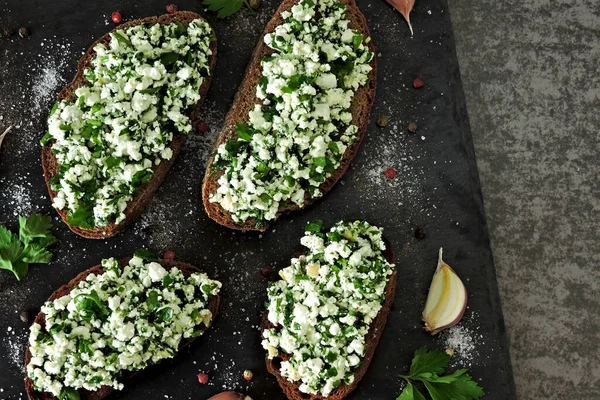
<point x="230" y="395"/>
<point x="447" y="299"/>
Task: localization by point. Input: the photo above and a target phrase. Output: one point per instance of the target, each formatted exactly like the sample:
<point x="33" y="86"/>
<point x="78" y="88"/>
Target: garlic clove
<point x="447" y="299"/>
<point x="404" y="7"/>
<point x="229" y="395"/>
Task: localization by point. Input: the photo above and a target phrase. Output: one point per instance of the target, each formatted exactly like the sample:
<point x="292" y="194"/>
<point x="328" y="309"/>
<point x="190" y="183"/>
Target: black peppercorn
<point x="23" y="32"/>
<point x="25" y="316"/>
<point x="412" y="127"/>
<point x="266" y="272"/>
<point x="420" y="232"/>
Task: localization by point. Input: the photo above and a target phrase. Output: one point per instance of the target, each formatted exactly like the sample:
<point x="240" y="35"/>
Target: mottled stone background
<point x="531" y="74"/>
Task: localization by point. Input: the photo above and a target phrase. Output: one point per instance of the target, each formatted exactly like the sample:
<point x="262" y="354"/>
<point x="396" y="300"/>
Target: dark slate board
<point x="437" y="186"/>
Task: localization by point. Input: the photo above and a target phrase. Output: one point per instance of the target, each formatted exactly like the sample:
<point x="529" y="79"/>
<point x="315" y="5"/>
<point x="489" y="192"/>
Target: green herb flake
<point x="146" y="255"/>
<point x="314" y="226"/>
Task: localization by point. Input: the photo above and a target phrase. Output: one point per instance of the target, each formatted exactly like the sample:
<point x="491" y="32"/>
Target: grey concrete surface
<point x="531" y="74"/>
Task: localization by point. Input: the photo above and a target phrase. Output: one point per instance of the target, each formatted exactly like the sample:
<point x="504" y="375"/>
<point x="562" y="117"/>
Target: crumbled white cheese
<point x="124" y="319"/>
<point x="298" y="136"/>
<point x="324" y="305"/>
<point x="122" y="125"/>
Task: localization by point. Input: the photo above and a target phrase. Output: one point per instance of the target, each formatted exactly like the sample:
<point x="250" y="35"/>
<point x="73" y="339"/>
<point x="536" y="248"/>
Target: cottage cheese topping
<point x="121" y="126"/>
<point x="122" y="320"/>
<point x="323" y="307"/>
<point x="299" y="133"/>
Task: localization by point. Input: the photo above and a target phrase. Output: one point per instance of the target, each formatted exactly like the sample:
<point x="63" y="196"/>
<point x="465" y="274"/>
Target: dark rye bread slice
<point x="291" y="389"/>
<point x="245" y="100"/>
<point x="141" y="200"/>
<point x="104" y="391"/>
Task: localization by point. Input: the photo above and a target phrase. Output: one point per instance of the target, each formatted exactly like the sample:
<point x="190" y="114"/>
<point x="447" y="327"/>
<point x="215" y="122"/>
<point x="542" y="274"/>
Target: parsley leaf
<point x="17" y="252"/>
<point x="429" y="361"/>
<point x="36" y="229"/>
<point x="83" y="217"/>
<point x="35" y="254"/>
<point x="146" y="255"/>
<point x="410" y="393"/>
<point x="10" y="246"/>
<point x="314" y="226"/>
<point x="225" y="8"/>
<point x="426" y="367"/>
<point x="463" y="388"/>
<point x="69" y="394"/>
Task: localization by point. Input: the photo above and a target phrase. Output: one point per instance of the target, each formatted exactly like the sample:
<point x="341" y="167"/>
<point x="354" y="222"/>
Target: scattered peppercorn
<point x="23" y="32"/>
<point x="203" y="378"/>
<point x="390" y="173"/>
<point x="25" y="316"/>
<point x="248" y="375"/>
<point x="169" y="255"/>
<point x="412" y="127"/>
<point x="418" y="83"/>
<point x="266" y="272"/>
<point x="8" y="32"/>
<point x="202" y="126"/>
<point x="420" y="232"/>
<point x="383" y="121"/>
<point x="255" y="4"/>
<point x="116" y="17"/>
<point x="172" y="8"/>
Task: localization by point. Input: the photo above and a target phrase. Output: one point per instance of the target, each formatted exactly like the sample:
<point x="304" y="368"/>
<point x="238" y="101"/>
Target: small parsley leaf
<point x="225" y="8"/>
<point x="69" y="394"/>
<point x="429" y="361"/>
<point x="463" y="388"/>
<point x="35" y="228"/>
<point x="314" y="226"/>
<point x="146" y="255"/>
<point x="17" y="252"/>
<point x="426" y="367"/>
<point x="410" y="393"/>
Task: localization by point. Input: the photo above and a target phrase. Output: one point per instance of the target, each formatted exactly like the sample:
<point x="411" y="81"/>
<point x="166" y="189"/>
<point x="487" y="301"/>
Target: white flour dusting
<point x="34" y="90"/>
<point x="14" y="347"/>
<point x="465" y="340"/>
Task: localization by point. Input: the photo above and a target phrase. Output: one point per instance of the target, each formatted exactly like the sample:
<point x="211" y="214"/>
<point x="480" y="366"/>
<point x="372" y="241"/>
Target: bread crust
<point x="244" y="102"/>
<point x="292" y="390"/>
<point x="141" y="200"/>
<point x="104" y="391"/>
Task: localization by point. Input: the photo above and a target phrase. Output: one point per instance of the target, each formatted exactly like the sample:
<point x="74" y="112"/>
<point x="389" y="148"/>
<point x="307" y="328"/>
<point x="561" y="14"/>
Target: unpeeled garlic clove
<point x="446" y="301"/>
<point x="404" y="7"/>
<point x="230" y="396"/>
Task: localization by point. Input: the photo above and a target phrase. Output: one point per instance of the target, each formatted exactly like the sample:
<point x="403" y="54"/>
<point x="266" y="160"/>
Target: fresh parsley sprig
<point x="30" y="247"/>
<point x="226" y="8"/>
<point x="427" y="367"/>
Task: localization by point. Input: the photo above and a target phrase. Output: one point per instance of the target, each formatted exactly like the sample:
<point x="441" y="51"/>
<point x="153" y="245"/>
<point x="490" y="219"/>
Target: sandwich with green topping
<point x="114" y="320"/>
<point x="326" y="314"/>
<point x="298" y="118"/>
<point x="118" y="126"/>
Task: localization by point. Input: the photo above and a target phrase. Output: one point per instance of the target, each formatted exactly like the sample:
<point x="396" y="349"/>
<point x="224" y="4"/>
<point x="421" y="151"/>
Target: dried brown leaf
<point x="404" y="7"/>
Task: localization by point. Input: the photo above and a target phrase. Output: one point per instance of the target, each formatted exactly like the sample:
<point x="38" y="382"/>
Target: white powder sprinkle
<point x="460" y="339"/>
<point x="465" y="340"/>
<point x="44" y="85"/>
<point x="14" y="347"/>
